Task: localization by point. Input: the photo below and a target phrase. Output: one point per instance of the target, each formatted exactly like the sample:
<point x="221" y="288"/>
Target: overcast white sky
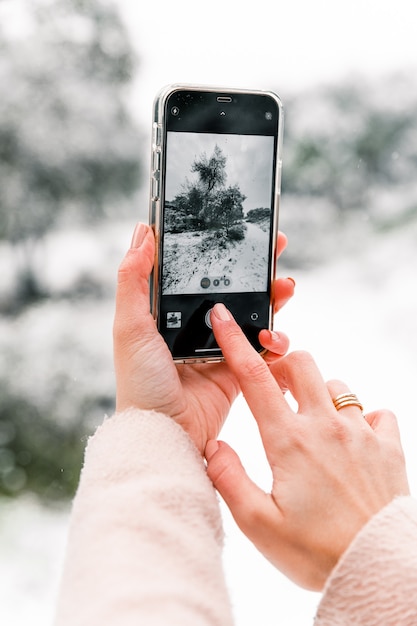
<point x="283" y="46"/>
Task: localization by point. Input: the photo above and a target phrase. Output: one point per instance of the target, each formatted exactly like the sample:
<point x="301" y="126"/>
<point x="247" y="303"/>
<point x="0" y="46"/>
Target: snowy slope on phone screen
<point x="217" y="215"/>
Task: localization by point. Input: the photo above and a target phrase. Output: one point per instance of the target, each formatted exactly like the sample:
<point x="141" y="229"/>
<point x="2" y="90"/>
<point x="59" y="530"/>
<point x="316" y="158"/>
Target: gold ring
<point x="346" y="399"/>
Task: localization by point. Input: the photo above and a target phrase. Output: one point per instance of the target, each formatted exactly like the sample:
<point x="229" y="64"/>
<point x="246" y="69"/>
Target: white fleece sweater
<point x="145" y="541"/>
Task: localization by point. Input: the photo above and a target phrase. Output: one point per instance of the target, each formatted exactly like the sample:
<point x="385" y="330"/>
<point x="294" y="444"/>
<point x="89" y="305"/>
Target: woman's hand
<point x="331" y="470"/>
<point x="198" y="397"/>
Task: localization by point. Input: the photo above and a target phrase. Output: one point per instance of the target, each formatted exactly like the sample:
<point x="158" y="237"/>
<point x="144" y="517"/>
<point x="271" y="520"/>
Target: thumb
<point x="246" y="501"/>
<point x="132" y="295"/>
<point x="135" y="269"/>
<point x="133" y="321"/>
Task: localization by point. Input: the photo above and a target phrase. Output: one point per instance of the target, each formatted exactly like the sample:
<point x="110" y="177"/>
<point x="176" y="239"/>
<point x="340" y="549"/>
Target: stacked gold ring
<point x="346" y="399"/>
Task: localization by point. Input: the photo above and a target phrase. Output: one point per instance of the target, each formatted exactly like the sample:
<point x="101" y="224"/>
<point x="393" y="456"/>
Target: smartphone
<point x="215" y="188"/>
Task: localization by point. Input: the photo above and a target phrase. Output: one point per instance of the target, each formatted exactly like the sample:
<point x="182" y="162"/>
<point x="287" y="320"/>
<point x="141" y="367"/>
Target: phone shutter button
<point x="207" y="319"/>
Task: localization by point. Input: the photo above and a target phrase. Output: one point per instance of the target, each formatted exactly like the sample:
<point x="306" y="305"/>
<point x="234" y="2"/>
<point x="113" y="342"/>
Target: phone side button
<point x="157" y="134"/>
<point x="156" y="161"/>
<point x="155" y="189"/>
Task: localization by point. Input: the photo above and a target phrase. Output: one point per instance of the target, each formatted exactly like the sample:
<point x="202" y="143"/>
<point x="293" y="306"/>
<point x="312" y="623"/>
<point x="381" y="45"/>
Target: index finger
<point x="258" y="385"/>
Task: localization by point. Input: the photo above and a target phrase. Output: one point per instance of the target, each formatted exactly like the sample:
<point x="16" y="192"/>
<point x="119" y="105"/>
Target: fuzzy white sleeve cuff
<point x="145" y="534"/>
<point x="375" y="581"/>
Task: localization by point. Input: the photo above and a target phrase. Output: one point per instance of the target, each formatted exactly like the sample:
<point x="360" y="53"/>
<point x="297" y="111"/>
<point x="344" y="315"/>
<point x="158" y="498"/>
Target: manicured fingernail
<point x="139" y="235"/>
<point x="274" y="336"/>
<point x="221" y="312"/>
<point x="292" y="280"/>
<point x="211" y="449"/>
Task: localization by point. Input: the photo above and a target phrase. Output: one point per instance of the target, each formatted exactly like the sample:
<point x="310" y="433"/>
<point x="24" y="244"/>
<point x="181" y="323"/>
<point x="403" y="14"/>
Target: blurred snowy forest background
<point x="70" y="166"/>
<point x="73" y="182"/>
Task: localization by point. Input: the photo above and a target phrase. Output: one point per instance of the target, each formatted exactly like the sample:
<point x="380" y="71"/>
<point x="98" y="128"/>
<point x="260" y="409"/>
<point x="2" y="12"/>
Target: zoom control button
<point x="216" y="281"/>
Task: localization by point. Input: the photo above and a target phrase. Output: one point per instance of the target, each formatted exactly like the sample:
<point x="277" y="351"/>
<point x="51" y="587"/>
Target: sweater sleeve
<point x="145" y="536"/>
<point x="375" y="581"/>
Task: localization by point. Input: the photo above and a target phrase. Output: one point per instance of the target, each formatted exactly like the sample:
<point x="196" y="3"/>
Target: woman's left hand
<point x="197" y="396"/>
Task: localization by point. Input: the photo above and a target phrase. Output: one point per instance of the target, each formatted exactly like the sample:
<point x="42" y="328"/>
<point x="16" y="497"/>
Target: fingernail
<point x="139" y="235"/>
<point x="211" y="449"/>
<point x="221" y="312"/>
<point x="274" y="335"/>
<point x="292" y="280"/>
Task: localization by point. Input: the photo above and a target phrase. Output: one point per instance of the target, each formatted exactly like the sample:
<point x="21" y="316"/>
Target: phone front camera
<point x="268" y="115"/>
<point x="175" y="111"/>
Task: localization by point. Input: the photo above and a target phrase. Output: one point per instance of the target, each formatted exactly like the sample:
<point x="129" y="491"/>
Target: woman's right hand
<point x="331" y="470"/>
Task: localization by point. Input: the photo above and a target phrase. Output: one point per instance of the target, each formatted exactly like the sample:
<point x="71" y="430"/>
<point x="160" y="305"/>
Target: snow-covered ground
<point x="357" y="316"/>
<point x="244" y="264"/>
<point x="32" y="544"/>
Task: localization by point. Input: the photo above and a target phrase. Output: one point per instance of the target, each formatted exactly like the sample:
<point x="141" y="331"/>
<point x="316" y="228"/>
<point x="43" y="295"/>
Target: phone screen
<point x="217" y="226"/>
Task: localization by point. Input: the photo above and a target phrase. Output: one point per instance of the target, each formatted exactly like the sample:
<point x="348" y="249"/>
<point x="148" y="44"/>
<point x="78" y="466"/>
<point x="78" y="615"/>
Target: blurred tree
<point x="382" y="136"/>
<point x="67" y="140"/>
<point x="347" y="148"/>
<point x="37" y="453"/>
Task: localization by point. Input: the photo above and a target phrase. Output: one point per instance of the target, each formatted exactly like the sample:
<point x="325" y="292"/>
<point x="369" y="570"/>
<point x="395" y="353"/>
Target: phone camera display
<point x="217" y="218"/>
